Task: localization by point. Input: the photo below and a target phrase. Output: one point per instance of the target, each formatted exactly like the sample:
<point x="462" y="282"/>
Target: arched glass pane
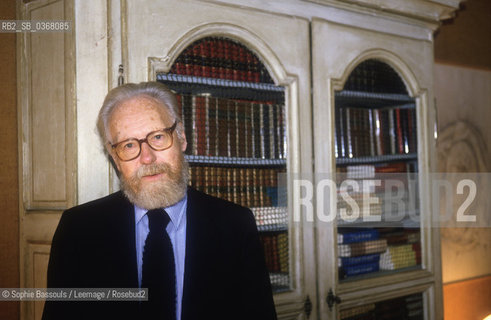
<point x="235" y="124"/>
<point x="376" y="142"/>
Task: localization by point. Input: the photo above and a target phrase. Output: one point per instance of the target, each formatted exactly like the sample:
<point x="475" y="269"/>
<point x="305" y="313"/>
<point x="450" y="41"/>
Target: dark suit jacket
<point x="225" y="275"/>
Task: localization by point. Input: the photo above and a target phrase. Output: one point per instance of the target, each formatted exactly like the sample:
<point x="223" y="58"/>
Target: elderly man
<point x="199" y="256"/>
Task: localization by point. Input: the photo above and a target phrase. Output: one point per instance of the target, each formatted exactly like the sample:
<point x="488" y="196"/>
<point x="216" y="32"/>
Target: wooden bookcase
<point x="294" y="68"/>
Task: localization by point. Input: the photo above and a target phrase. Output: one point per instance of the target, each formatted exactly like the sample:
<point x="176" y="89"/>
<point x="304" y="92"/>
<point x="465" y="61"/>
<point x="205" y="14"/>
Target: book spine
<point x="405" y="130"/>
<point x="232" y="126"/>
<point x="213" y="181"/>
<point x="358" y="236"/>
<point x="386" y="131"/>
<point x="282" y="135"/>
<point x="213" y="126"/>
<point x="341" y="132"/>
<point x="392" y="132"/>
<point x="350" y="271"/>
<point x="283" y="251"/>
<point x="355" y="135"/>
<point x="371" y="133"/>
<point x="264" y="141"/>
<point x="362" y="248"/>
<point x="275" y="131"/>
<point x="351" y="261"/>
<point x="399" y="133"/>
<point x="249" y="134"/>
<point x="220" y="182"/>
<point x="241" y="130"/>
<point x="256" y="190"/>
<point x="378" y="133"/>
<point x="222" y="115"/>
<point x="349" y="142"/>
<point x="200" y="137"/>
<point x="412" y="130"/>
<point x="257" y="123"/>
<point x="272" y="144"/>
<point x="188" y="122"/>
<point x="194" y="126"/>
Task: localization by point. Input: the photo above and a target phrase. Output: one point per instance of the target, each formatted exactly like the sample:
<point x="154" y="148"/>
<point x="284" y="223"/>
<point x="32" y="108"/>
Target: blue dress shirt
<point x="176" y="229"/>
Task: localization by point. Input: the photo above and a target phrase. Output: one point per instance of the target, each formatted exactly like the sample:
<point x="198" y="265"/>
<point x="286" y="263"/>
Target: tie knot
<point x="157" y="220"/>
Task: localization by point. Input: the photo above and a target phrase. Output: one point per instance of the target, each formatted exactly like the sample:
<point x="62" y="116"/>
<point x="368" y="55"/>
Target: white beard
<point x="158" y="194"/>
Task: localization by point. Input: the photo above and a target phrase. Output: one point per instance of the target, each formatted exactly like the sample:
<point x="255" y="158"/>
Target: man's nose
<point x="147" y="155"/>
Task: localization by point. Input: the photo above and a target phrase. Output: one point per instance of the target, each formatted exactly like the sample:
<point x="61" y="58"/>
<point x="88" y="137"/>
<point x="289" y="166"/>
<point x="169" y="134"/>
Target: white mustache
<point x="152" y="169"/>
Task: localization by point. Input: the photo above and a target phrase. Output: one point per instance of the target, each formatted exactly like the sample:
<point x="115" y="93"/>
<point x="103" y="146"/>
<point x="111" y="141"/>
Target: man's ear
<point x="114" y="164"/>
<point x="110" y="156"/>
<point x="182" y="136"/>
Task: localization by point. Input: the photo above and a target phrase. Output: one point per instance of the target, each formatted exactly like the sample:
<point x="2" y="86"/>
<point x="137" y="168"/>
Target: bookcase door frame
<point x="336" y="50"/>
<point x="282" y="44"/>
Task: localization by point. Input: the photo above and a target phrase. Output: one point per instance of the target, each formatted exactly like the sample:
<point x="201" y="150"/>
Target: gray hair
<point x="120" y="94"/>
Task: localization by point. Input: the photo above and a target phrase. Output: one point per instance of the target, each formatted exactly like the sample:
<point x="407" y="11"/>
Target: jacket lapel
<point x="126" y="246"/>
<point x="199" y="253"/>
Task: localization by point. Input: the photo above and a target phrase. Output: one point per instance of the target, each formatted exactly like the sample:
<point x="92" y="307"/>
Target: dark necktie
<point x="158" y="269"/>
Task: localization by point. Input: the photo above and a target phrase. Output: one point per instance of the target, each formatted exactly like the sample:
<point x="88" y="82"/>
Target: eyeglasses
<point x="159" y="140"/>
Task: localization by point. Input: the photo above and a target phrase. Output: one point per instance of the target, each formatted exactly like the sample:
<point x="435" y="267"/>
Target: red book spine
<point x="201" y="125"/>
<point x="179" y="105"/>
<point x="400" y="143"/>
<point x="241" y="130"/>
<point x="222" y="127"/>
<point x="232" y="129"/>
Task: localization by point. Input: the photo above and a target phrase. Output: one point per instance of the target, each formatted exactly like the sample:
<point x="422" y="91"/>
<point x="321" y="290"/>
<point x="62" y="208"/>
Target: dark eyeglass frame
<point x="169" y="131"/>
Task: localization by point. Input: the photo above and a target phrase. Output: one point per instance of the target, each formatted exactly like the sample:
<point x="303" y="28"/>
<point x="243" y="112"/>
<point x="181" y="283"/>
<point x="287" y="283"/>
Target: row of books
<point x="384" y="206"/>
<point x="367" y="171"/>
<point x="364" y="132"/>
<point x="280" y="282"/>
<point x="274" y="217"/>
<point x="233" y="128"/>
<point x="275" y="247"/>
<point x="369" y="250"/>
<point x="223" y="59"/>
<point x="390" y="180"/>
<point x="249" y="187"/>
<point x="401" y="256"/>
<point x="403" y="248"/>
<point x="375" y="76"/>
<point x="408" y="308"/>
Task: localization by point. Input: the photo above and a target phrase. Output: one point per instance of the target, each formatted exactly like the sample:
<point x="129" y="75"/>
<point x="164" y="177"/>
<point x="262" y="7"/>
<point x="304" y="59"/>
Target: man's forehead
<point x="137" y="105"/>
<point x="142" y="101"/>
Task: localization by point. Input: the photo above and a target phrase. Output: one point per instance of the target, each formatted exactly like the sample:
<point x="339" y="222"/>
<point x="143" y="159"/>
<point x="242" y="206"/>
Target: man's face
<point x="155" y="178"/>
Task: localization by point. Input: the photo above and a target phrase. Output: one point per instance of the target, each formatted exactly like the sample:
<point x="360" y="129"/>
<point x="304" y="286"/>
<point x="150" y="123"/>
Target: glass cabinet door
<point x="242" y="81"/>
<point x="378" y="229"/>
<point x="372" y="94"/>
<point x="235" y="124"/>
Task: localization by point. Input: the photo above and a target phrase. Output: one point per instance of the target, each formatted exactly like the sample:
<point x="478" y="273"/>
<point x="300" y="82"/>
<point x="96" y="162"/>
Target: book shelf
<point x="376" y="139"/>
<point x="409" y="307"/>
<point x="235" y="125"/>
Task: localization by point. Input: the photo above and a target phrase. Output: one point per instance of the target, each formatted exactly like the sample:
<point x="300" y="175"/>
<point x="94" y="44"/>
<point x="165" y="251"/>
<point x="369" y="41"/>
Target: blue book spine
<point x="345" y="272"/>
<point x="358" y="236"/>
<point x="351" y="261"/>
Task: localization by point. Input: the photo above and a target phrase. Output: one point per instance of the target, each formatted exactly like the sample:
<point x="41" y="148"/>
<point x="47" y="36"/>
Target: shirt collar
<point x="175" y="212"/>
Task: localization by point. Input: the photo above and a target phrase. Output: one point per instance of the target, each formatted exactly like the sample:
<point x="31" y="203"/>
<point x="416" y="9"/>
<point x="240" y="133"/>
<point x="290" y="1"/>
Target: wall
<point x="463" y="93"/>
<point x="9" y="196"/>
<point x="464" y="40"/>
